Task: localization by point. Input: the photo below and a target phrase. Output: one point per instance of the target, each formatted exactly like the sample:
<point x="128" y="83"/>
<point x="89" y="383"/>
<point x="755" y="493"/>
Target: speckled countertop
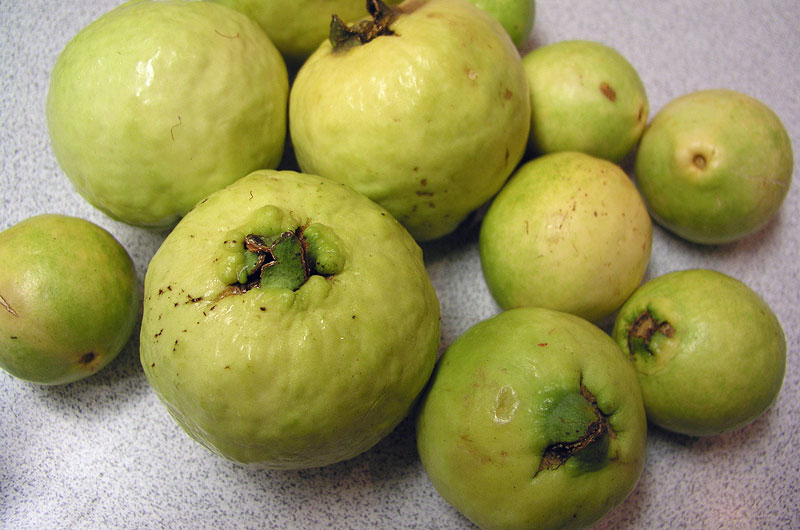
<point x="102" y="453"/>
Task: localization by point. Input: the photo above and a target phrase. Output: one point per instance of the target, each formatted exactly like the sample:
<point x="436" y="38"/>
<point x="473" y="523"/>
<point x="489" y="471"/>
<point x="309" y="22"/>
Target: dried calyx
<point x="642" y="331"/>
<point x="579" y="429"/>
<point x="343" y="36"/>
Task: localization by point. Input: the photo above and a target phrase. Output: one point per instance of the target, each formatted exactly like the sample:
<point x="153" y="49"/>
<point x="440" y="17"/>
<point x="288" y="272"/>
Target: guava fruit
<point x="69" y="299"/>
<point x="289" y="322"/>
<point x="585" y="96"/>
<point x="533" y="419"/>
<point x="154" y="105"/>
<point x="516" y="16"/>
<point x="710" y="354"/>
<point x="568" y="231"/>
<point x="423" y="108"/>
<point x="298" y="27"/>
<point x="714" y="166"/>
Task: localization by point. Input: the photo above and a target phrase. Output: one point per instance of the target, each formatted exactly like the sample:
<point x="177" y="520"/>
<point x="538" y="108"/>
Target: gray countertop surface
<point x="103" y="453"/>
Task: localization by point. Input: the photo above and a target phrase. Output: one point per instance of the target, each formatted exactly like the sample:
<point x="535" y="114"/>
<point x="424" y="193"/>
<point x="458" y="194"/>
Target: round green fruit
<point x="298" y="27"/>
<point x="569" y="232"/>
<point x="516" y="16"/>
<point x="585" y="96"/>
<point x="69" y="299"/>
<point x="533" y="419"/>
<point x="414" y="119"/>
<point x="154" y="105"/>
<point x="289" y="322"/>
<point x="709" y="352"/>
<point x="714" y="166"/>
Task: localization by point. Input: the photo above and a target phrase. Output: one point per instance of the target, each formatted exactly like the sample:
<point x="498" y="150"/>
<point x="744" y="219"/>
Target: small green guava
<point x="289" y="322"/>
<point x="298" y="27"/>
<point x="154" y="105"/>
<point x="533" y="419"/>
<point x="714" y="166"/>
<point x="568" y="231"/>
<point x="516" y="16"/>
<point x="423" y="107"/>
<point x="585" y="96"/>
<point x="710" y="354"/>
<point x="69" y="299"/>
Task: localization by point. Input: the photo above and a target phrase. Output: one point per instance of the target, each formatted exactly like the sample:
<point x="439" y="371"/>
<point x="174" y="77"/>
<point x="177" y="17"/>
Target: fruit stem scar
<point x="557" y="453"/>
<point x="699" y="161"/>
<point x="343" y="36"/>
<point x="643" y="329"/>
<point x="7" y="306"/>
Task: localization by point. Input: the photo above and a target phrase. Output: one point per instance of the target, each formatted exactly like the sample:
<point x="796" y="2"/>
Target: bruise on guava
<point x="343" y="36"/>
<point x="579" y="429"/>
<point x="642" y="330"/>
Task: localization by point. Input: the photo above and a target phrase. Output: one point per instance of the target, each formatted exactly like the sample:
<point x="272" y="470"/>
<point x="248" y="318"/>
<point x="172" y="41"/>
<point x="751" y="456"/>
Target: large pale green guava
<point x="289" y="322"/>
<point x="714" y="166"/>
<point x="424" y="108"/>
<point x="298" y="27"/>
<point x="709" y="352"/>
<point x="69" y="299"/>
<point x="570" y="232"/>
<point x="585" y="96"/>
<point x="533" y="419"/>
<point x="154" y="105"/>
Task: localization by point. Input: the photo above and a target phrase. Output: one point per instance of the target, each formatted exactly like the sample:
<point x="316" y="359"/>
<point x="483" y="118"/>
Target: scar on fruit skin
<point x="7" y="306"/>
<point x="608" y="92"/>
<point x="171" y="129"/>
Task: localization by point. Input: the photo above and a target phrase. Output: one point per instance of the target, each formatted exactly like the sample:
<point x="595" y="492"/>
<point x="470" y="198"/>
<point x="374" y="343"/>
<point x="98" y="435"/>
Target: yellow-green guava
<point x="709" y="352"/>
<point x="423" y="108"/>
<point x="69" y="299"/>
<point x="516" y="16"/>
<point x="154" y="105"/>
<point x="289" y="322"/>
<point x="570" y="232"/>
<point x="585" y="96"/>
<point x="298" y="27"/>
<point x="533" y="419"/>
<point x="714" y="166"/>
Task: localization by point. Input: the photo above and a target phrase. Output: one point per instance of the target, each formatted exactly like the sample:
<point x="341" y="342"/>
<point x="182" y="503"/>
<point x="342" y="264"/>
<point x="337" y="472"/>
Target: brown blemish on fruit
<point x="7" y="306"/>
<point x="87" y="358"/>
<point x="608" y="92"/>
<point x="558" y="453"/>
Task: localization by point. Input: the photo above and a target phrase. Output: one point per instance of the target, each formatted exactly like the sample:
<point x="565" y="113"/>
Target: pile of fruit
<point x="295" y="157"/>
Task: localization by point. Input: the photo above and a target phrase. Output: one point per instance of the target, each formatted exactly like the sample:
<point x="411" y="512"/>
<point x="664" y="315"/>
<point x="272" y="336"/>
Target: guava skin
<point x="297" y="27"/>
<point x="280" y="378"/>
<point x="585" y="96"/>
<point x="568" y="232"/>
<point x="154" y="105"/>
<point x="715" y="357"/>
<point x="418" y="121"/>
<point x="500" y="398"/>
<point x="69" y="299"/>
<point x="714" y="166"/>
<point x="516" y="16"/>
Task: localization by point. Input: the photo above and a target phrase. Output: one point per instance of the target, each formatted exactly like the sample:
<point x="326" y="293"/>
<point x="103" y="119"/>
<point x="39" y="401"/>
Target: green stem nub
<point x="343" y="36"/>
